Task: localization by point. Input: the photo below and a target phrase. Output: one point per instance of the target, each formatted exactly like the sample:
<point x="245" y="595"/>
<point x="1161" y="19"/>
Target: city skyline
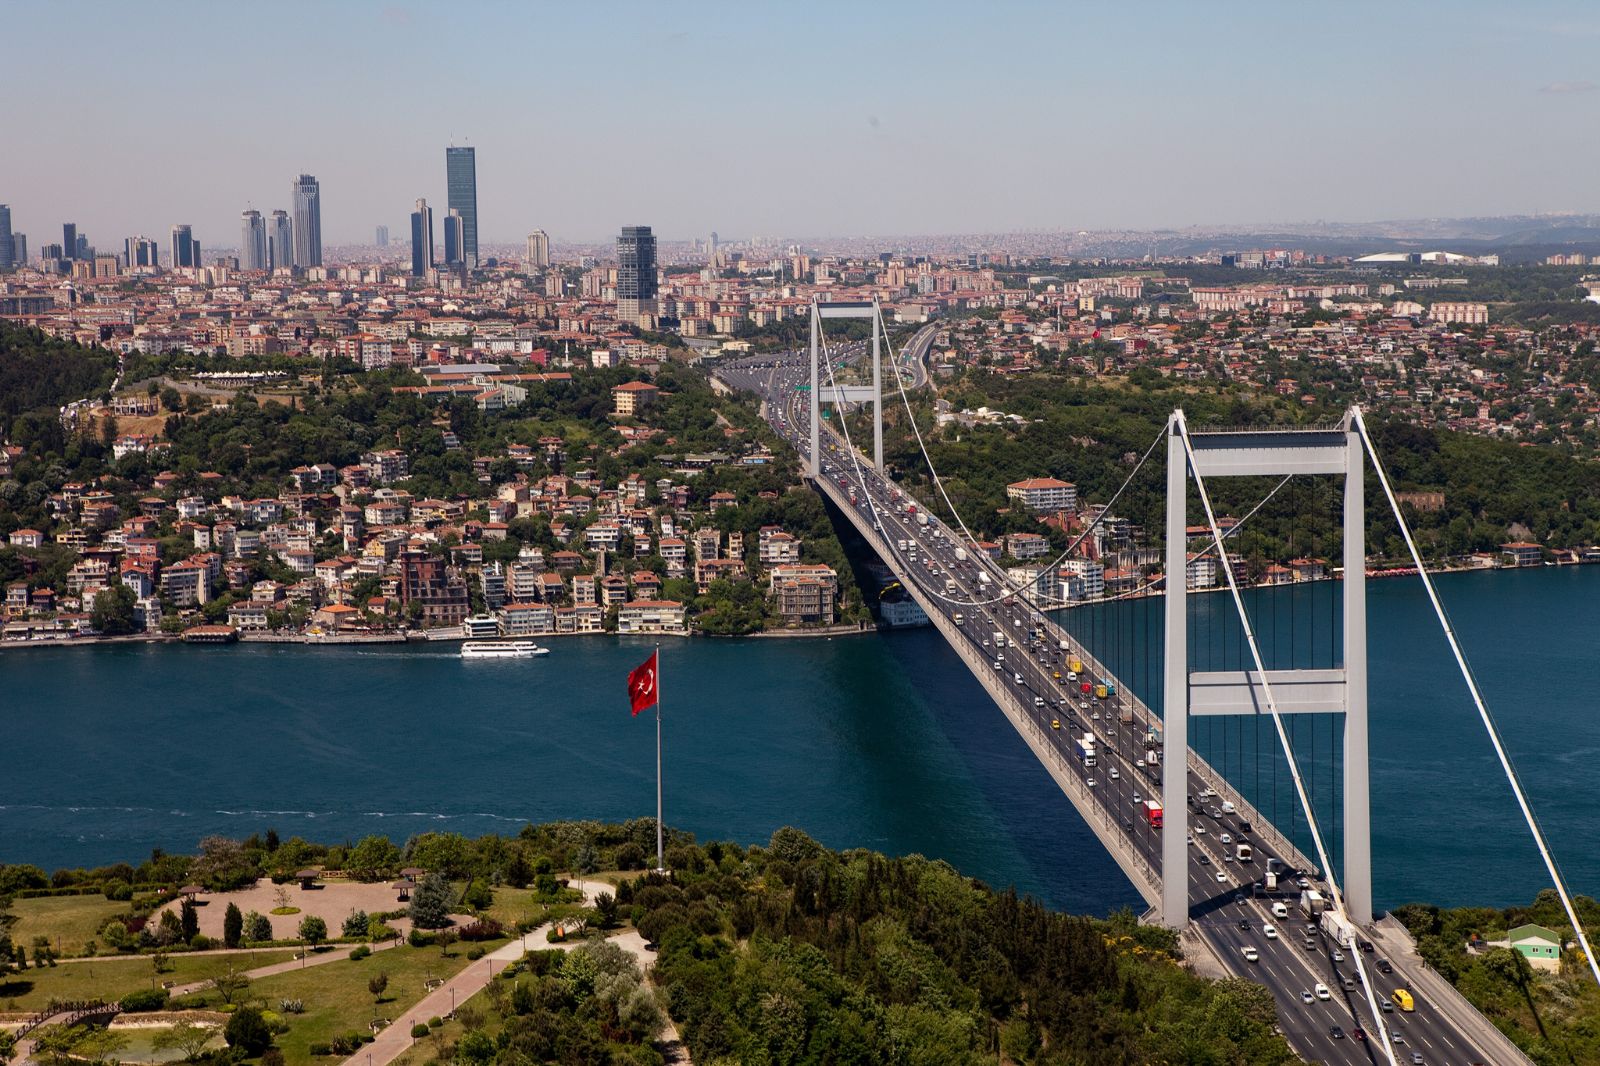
<point x="1094" y="122"/>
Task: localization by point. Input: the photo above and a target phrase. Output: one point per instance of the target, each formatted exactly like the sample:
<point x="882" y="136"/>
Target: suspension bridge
<point x="1210" y="861"/>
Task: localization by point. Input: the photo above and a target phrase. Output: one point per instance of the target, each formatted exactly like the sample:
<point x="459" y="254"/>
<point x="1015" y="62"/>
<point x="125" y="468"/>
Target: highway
<point x="1029" y="659"/>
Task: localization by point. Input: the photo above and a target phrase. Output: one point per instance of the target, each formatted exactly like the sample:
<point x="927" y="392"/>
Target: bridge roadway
<point x="1230" y="911"/>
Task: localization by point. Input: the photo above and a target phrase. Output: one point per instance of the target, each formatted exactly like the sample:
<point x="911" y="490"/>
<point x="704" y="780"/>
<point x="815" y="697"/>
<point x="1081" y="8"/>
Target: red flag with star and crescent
<point x="642" y="684"/>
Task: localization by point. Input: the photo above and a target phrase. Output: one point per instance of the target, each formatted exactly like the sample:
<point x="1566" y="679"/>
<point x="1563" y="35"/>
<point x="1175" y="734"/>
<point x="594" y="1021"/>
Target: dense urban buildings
<point x="461" y="188"/>
<point x="636" y="273"/>
<point x="307" y="222"/>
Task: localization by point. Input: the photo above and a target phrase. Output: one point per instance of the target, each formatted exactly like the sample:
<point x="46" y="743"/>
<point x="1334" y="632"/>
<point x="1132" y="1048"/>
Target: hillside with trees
<point x="38" y="375"/>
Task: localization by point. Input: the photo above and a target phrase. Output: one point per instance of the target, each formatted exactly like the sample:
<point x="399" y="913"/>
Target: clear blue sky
<point x="795" y="119"/>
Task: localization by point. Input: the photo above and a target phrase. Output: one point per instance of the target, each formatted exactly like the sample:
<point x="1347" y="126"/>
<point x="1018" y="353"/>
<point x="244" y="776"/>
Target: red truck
<point x="1152" y="813"/>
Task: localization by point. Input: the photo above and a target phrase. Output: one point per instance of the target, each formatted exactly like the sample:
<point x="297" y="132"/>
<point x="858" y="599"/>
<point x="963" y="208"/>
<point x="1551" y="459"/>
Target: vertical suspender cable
<point x="1477" y="699"/>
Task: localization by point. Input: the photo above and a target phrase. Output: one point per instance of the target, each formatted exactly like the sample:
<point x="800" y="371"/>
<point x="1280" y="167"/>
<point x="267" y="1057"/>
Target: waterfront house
<point x="651" y="616"/>
<point x="1540" y="946"/>
<point x="1522" y="553"/>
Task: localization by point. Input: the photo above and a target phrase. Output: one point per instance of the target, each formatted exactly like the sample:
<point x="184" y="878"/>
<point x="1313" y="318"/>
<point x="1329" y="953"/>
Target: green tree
<point x="112" y="613"/>
<point x="231" y="984"/>
<point x="184" y="1037"/>
<point x="374" y="858"/>
<point x="232" y="926"/>
<point x="430" y="902"/>
<point x="257" y="927"/>
<point x="376" y="984"/>
<point x="313" y="930"/>
<point x="188" y="919"/>
<point x="248" y="1031"/>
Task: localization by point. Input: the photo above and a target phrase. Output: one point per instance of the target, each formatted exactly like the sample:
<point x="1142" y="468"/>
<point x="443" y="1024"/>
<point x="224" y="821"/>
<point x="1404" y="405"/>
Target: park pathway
<point x="395" y="1039"/>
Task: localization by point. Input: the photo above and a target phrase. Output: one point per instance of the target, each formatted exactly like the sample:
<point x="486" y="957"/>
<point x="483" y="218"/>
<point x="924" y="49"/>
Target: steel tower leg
<point x="1357" y="798"/>
<point x="1175" y="696"/>
<point x="877" y="386"/>
<point x="816" y="404"/>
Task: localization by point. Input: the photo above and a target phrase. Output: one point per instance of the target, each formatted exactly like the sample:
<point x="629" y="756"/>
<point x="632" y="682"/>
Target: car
<point x="1137" y="798"/>
<point x="1336" y="1032"/>
<point x="1226" y="838"/>
<point x="1269" y="931"/>
<point x="1306" y="997"/>
<point x="1348" y="983"/>
<point x="1322" y="992"/>
<point x="1055" y="723"/>
<point x="1251" y="955"/>
<point x="1096" y="715"/>
<point x="1384" y="967"/>
<point x="1038" y="701"/>
<point x="1301" y="883"/>
<point x="1358" y="1033"/>
<point x="1386" y="1006"/>
<point x="1416" y="1058"/>
<point x="1280" y="909"/>
<point x="1200" y="829"/>
<point x="1127" y="824"/>
<point x="1090" y="782"/>
<point x="1215" y="813"/>
<point x="1115" y="774"/>
<point x="1366" y="947"/>
<point x="1244" y="925"/>
<point x="1244" y="827"/>
<point x="1207" y="792"/>
<point x="997" y="664"/>
<point x="1337" y="956"/>
<point x="1222" y="878"/>
<point x="1139" y="763"/>
<point x="1203" y="859"/>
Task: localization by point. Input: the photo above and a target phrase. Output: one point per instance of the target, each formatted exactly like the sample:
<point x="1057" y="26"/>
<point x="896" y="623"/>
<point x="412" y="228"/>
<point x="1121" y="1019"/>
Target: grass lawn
<point x="115" y="976"/>
<point x="336" y="996"/>
<point x="141" y="1046"/>
<point x="69" y="921"/>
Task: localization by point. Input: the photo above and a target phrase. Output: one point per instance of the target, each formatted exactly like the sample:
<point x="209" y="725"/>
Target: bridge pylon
<point x="1280" y="451"/>
<point x="846" y="393"/>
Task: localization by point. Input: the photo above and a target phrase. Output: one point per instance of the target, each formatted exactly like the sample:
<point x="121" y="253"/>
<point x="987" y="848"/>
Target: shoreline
<point x="423" y="637"/>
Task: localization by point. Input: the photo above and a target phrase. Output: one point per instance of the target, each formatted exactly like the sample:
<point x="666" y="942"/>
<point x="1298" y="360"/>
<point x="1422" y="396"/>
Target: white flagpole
<point x="660" y="866"/>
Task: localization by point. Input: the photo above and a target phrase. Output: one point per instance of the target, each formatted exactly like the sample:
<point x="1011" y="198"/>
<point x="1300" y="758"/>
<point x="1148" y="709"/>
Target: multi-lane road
<point x="1030" y="661"/>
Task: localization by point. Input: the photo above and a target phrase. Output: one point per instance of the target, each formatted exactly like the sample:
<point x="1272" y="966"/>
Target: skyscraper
<point x="252" y="242"/>
<point x="382" y="239"/>
<point x="538" y="250"/>
<point x="69" y="240"/>
<point x="636" y="273"/>
<point x="280" y="241"/>
<point x="307" y="222"/>
<point x="8" y="250"/>
<point x="140" y="252"/>
<point x="461" y="187"/>
<point x="454" y="238"/>
<point x="422" y="239"/>
<point x="185" y="252"/>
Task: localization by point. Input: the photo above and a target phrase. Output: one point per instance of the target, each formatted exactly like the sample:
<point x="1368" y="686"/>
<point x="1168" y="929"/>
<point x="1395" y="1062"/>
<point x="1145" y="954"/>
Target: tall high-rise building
<point x="461" y="188"/>
<point x="382" y="237"/>
<point x="538" y="250"/>
<point x="636" y="273"/>
<point x="185" y="250"/>
<point x="252" y="242"/>
<point x="8" y="250"/>
<point x="422" y="239"/>
<point x="455" y="242"/>
<point x="307" y="222"/>
<point x="280" y="241"/>
<point x="19" y="249"/>
<point x="69" y="240"/>
<point x="84" y="251"/>
<point x="140" y="252"/>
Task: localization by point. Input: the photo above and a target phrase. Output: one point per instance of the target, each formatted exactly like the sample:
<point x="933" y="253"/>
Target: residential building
<point x="1522" y="553"/>
<point x="631" y="397"/>
<point x="538" y="250"/>
<point x="1540" y="946"/>
<point x="651" y="616"/>
<point x="636" y="273"/>
<point x="1044" y="494"/>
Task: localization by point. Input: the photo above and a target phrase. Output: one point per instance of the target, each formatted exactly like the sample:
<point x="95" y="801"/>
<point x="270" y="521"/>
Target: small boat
<point x="501" y="649"/>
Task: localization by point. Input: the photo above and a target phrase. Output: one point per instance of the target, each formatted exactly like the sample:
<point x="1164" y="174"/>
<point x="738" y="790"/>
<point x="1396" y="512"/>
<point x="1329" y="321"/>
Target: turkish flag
<point x="642" y="689"/>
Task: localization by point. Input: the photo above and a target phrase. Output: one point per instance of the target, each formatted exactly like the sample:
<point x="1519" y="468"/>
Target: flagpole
<point x="660" y="866"/>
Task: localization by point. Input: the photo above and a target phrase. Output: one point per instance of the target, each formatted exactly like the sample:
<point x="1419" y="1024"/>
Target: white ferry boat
<point x="501" y="649"/>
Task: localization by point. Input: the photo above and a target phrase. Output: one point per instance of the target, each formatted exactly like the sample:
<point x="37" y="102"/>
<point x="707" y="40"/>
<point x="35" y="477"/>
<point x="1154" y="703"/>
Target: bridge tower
<point x="847" y="393"/>
<point x="1335" y="451"/>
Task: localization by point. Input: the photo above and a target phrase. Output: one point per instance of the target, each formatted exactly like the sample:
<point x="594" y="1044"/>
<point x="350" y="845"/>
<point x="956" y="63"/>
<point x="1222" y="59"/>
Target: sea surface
<point x="880" y="741"/>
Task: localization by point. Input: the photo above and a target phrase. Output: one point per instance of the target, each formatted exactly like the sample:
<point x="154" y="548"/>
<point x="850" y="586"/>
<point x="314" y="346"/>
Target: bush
<point x="474" y="953"/>
<point x="356" y="924"/>
<point x="419" y="939"/>
<point x="359" y="953"/>
<point x="436" y="1022"/>
<point x="348" y="1043"/>
<point x="118" y="890"/>
<point x="145" y="999"/>
<point x="483" y="929"/>
<point x="248" y="1031"/>
<point x="201" y="942"/>
<point x="320" y="1049"/>
<point x="419" y="1030"/>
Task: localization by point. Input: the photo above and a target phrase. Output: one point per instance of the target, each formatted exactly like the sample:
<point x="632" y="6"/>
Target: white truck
<point x="922" y="518"/>
<point x="983" y="579"/>
<point x="1312" y="904"/>
<point x="961" y="555"/>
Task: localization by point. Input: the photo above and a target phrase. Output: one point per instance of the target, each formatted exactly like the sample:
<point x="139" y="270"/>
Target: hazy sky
<point x="811" y="118"/>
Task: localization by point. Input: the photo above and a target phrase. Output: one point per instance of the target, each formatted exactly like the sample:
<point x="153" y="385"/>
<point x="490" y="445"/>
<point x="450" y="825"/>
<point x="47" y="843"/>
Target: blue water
<point x="878" y="741"/>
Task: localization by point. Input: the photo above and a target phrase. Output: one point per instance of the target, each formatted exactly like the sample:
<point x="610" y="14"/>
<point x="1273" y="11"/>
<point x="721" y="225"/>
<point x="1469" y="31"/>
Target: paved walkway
<point x="395" y="1040"/>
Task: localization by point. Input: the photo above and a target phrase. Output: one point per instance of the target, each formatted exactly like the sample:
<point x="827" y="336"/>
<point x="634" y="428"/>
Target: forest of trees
<point x="39" y="374"/>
